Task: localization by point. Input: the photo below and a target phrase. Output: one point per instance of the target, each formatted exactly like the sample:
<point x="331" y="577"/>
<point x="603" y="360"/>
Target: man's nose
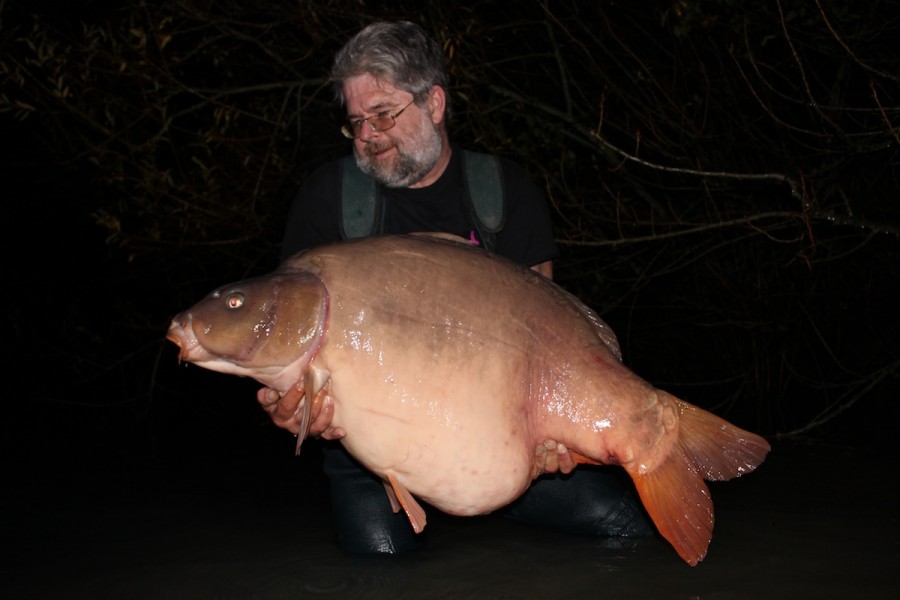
<point x="367" y="132"/>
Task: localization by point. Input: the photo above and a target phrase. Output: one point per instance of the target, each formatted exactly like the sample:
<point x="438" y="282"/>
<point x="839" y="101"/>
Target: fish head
<point x="267" y="328"/>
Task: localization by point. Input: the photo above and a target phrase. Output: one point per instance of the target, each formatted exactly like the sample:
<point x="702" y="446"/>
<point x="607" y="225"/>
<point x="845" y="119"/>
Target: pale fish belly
<point x="448" y="366"/>
<point x="456" y="438"/>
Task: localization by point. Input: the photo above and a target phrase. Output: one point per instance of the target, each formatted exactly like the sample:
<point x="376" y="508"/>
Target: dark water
<point x="815" y="521"/>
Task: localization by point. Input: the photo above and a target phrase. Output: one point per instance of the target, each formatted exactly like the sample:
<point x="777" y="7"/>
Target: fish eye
<point x="234" y="300"/>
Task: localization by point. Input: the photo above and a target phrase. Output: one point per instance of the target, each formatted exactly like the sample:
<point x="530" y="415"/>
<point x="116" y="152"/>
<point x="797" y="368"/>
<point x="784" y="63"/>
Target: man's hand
<point x="552" y="457"/>
<point x="287" y="412"/>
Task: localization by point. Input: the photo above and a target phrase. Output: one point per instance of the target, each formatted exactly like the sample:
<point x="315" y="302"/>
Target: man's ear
<point x="437" y="104"/>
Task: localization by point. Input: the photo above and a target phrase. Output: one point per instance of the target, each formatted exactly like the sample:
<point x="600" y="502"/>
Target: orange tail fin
<point x="675" y="494"/>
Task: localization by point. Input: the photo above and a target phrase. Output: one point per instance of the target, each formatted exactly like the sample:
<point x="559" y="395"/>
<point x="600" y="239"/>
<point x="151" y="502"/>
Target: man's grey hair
<point x="399" y="53"/>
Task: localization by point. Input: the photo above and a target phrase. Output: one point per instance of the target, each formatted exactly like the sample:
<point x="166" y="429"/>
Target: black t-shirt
<point x="527" y="236"/>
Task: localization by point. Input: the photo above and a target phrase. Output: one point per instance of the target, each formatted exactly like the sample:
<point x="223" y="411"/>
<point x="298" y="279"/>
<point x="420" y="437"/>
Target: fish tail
<point x="675" y="494"/>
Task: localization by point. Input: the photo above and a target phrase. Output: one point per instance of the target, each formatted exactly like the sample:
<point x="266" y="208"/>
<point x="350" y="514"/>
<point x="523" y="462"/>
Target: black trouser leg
<point x="597" y="501"/>
<point x="363" y="517"/>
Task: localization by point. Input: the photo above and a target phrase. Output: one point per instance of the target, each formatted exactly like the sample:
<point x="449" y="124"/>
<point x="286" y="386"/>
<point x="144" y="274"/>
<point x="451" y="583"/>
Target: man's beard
<point x="409" y="166"/>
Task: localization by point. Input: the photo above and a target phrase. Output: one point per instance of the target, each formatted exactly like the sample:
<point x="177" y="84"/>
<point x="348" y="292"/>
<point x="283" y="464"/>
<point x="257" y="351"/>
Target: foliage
<point x="723" y="173"/>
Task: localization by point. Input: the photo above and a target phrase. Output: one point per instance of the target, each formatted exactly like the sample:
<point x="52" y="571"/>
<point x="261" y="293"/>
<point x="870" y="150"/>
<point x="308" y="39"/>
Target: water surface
<point x="815" y="521"/>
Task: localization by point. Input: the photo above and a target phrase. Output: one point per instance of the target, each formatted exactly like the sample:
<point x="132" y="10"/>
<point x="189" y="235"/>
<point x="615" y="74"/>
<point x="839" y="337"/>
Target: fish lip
<point x="178" y="342"/>
<point x="181" y="334"/>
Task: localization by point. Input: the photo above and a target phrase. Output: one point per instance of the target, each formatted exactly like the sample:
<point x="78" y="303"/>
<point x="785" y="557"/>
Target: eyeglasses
<point x="380" y="122"/>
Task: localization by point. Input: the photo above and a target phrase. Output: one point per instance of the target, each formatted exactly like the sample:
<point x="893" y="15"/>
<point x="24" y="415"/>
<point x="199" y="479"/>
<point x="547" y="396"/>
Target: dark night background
<point x="724" y="182"/>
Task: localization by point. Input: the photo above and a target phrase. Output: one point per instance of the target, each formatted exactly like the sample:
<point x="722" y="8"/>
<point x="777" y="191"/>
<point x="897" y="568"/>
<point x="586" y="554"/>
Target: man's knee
<point x="590" y="501"/>
<point x="363" y="518"/>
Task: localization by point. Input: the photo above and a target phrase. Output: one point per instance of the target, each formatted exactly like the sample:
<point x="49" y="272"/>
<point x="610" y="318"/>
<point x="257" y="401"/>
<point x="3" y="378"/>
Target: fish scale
<point x="447" y="366"/>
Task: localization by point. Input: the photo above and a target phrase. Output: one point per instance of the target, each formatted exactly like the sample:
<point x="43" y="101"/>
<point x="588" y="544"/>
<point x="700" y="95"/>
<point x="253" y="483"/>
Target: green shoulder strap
<point x="360" y="202"/>
<point x="485" y="186"/>
<point x="362" y="209"/>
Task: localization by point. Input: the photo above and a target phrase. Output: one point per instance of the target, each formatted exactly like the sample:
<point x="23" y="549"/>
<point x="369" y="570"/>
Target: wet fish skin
<point x="448" y="366"/>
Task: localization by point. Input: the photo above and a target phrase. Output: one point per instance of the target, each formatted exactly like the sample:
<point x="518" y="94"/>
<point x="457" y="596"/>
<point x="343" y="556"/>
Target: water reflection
<point x="813" y="522"/>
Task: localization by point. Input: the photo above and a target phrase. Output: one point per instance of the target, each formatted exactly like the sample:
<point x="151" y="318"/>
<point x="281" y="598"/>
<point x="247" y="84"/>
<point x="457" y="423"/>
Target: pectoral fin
<point x="314" y="389"/>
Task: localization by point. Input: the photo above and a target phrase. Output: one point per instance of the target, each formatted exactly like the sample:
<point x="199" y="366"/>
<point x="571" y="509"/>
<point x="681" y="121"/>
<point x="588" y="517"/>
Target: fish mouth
<point x="182" y="335"/>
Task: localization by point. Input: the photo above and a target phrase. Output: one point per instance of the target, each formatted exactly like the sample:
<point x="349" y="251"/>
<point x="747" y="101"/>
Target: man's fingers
<point x="333" y="433"/>
<point x="267" y="397"/>
<point x="545" y="459"/>
<point x="551" y="463"/>
<point x="323" y="419"/>
<point x="564" y="459"/>
<point x="286" y="413"/>
<point x="286" y="408"/>
<point x="552" y="457"/>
